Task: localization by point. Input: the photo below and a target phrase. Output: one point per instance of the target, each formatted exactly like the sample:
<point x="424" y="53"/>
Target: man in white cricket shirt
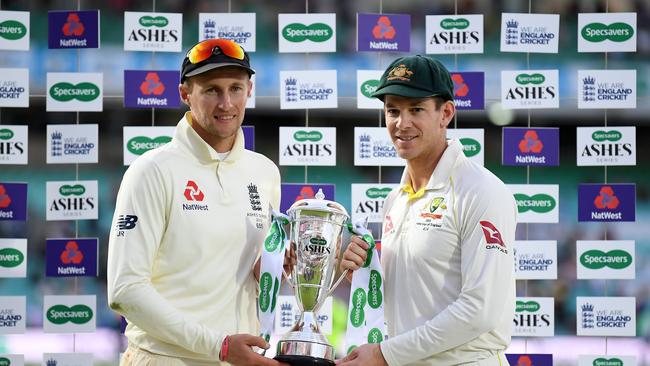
<point x="448" y="234"/>
<point x="189" y="222"/>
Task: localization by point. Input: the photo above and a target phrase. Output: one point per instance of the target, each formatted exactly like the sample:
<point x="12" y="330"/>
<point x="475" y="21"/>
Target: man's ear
<point x="250" y="88"/>
<point x="184" y="94"/>
<point x="448" y="110"/>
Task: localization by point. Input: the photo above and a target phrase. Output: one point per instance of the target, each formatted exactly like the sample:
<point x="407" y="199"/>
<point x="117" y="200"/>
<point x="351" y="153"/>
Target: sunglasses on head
<point x="203" y="50"/>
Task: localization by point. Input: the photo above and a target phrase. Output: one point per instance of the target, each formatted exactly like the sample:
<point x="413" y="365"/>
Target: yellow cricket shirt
<point x="186" y="232"/>
<point x="447" y="256"/>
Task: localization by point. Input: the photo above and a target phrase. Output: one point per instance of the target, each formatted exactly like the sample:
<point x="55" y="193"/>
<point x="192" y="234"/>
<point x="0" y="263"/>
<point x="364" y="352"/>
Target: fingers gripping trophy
<point x="315" y="232"/>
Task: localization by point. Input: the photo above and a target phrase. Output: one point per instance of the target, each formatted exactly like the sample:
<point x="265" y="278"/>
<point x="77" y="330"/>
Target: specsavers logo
<point x="12" y="30"/>
<point x="6" y="134"/>
<point x="615" y="32"/>
<point x="376" y="193"/>
<point x="298" y="32"/>
<point x="601" y="136"/>
<point x="149" y="21"/>
<point x="83" y="92"/>
<point x="471" y="147"/>
<point x="608" y="362"/>
<point x="527" y="306"/>
<point x="614" y="259"/>
<point x="539" y="203"/>
<point x="76" y="190"/>
<point x="11" y="257"/>
<point x="525" y="79"/>
<point x="141" y="144"/>
<point x="5" y="361"/>
<point x="450" y="24"/>
<point x="369" y="87"/>
<point x="77" y="314"/>
<point x="302" y="136"/>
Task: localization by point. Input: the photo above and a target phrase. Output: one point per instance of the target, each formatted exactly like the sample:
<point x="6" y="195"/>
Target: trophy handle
<point x="286" y="277"/>
<point x="329" y="292"/>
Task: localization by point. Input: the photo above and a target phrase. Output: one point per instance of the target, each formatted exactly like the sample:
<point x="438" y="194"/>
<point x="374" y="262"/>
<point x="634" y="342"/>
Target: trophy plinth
<point x="316" y="226"/>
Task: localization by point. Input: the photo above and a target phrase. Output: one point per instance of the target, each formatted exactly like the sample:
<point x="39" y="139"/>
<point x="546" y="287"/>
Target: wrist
<point x="223" y="352"/>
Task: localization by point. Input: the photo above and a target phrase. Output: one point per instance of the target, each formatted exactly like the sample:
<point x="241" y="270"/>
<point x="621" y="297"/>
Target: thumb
<point x="256" y="341"/>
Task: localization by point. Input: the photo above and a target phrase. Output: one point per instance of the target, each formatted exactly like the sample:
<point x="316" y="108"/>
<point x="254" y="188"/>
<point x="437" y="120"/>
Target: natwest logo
<point x="606" y="198"/>
<point x="5" y="199"/>
<point x="383" y="29"/>
<point x="152" y="85"/>
<point x="192" y="192"/>
<point x="71" y="254"/>
<point x="530" y="143"/>
<point x="73" y="26"/>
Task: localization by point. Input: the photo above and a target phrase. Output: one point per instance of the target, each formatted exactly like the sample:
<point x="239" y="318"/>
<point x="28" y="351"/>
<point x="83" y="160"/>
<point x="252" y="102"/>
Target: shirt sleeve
<point x="484" y="222"/>
<point x="139" y="223"/>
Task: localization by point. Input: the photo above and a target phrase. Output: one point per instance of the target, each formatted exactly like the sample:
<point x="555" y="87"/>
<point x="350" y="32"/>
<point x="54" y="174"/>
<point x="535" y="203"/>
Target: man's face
<point x="217" y="101"/>
<point x="416" y="127"/>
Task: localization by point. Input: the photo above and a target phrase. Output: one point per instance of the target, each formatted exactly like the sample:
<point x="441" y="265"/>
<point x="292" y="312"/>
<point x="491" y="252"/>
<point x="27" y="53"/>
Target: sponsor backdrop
<point x="315" y="85"/>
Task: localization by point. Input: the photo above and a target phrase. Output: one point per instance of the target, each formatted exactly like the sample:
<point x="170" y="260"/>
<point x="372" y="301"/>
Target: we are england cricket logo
<point x="529" y="32"/>
<point x="14" y="87"/>
<point x="461" y="33"/>
<point x="72" y="143"/>
<point x="14" y="30"/>
<point x="308" y="89"/>
<point x="237" y="27"/>
<point x="530" y="89"/>
<point x="606" y="316"/>
<point x="607" y="89"/>
<point x="535" y="259"/>
<point x="12" y="314"/>
<point x="373" y="147"/>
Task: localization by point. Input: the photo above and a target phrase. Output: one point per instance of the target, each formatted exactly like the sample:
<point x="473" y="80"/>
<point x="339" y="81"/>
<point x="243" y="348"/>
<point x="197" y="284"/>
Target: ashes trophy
<point x="316" y="227"/>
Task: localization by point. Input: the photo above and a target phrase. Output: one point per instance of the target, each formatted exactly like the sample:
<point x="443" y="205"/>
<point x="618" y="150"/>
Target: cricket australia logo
<point x="589" y="89"/>
<point x="253" y="195"/>
<point x="587" y="316"/>
<point x="512" y="32"/>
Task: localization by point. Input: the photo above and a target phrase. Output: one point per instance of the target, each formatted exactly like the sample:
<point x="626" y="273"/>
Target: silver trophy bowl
<point x="316" y="227"/>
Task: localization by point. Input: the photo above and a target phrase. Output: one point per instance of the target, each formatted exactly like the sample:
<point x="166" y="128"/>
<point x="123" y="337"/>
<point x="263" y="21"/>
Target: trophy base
<point x="296" y="360"/>
<point x="305" y="353"/>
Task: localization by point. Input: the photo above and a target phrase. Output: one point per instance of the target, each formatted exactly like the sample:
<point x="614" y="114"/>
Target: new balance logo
<point x="126" y="222"/>
<point x="192" y="192"/>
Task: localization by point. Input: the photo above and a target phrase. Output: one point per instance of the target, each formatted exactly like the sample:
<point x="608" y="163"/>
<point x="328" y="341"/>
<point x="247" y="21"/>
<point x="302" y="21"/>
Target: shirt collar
<point x="191" y="140"/>
<point x="451" y="157"/>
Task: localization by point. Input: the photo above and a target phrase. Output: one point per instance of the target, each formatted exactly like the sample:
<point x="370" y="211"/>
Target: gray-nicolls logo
<point x="254" y="196"/>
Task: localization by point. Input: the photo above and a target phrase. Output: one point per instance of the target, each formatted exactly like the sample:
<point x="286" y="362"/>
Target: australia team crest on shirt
<point x="432" y="213"/>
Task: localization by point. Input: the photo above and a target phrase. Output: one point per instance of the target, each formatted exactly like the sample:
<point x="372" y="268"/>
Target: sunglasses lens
<point x="204" y="49"/>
